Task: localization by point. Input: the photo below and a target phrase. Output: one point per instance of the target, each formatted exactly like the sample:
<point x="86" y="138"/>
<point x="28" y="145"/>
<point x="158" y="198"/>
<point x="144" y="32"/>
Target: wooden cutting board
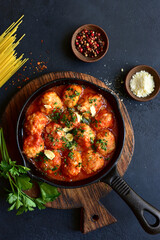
<point x="93" y="215"/>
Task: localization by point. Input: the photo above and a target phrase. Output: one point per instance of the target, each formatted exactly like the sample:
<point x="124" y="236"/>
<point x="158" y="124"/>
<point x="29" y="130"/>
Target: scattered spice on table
<point x="32" y="68"/>
<point x="89" y="43"/>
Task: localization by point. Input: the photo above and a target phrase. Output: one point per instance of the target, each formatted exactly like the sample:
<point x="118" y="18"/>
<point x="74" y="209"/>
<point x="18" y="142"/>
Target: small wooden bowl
<point x="96" y="29"/>
<point x="156" y="79"/>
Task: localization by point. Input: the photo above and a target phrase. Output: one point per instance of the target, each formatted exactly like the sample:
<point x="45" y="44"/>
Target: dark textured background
<point x="133" y="28"/>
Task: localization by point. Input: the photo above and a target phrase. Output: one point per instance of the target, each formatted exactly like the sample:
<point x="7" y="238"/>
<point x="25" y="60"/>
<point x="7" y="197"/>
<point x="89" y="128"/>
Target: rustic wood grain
<point x="94" y="214"/>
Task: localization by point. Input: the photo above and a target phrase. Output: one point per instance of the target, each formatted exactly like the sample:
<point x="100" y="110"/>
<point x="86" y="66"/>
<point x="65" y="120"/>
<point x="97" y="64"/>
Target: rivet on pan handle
<point x="138" y="205"/>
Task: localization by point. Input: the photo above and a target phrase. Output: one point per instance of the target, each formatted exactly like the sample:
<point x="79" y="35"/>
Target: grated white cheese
<point x="49" y="154"/>
<point x="79" y="117"/>
<point x="93" y="110"/>
<point x="69" y="137"/>
<point x="67" y="129"/>
<point x="47" y="106"/>
<point x="142" y="84"/>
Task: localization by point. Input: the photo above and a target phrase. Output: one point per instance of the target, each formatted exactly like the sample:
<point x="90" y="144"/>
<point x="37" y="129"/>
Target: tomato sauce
<point x="59" y="175"/>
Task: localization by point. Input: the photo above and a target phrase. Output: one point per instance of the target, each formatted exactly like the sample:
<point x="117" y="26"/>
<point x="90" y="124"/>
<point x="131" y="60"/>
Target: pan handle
<point x="138" y="205"/>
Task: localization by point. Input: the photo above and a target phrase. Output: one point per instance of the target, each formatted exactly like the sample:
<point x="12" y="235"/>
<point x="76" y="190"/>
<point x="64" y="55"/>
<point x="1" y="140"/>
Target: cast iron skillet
<point x="107" y="175"/>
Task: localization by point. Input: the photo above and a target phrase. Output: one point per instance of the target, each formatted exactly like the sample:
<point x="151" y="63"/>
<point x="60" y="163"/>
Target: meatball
<point x="90" y="104"/>
<point x="51" y="165"/>
<point x="49" y="101"/>
<point x="85" y="135"/>
<point x="33" y="145"/>
<point x="105" y="142"/>
<point x="72" y="164"/>
<point x="69" y="119"/>
<point x="35" y="123"/>
<point x="92" y="161"/>
<point x="53" y="136"/>
<point x="103" y="119"/>
<point x="71" y="95"/>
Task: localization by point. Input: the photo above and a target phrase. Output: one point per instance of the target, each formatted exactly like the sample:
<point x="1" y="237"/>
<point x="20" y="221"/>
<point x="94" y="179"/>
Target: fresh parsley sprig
<point x="19" y="182"/>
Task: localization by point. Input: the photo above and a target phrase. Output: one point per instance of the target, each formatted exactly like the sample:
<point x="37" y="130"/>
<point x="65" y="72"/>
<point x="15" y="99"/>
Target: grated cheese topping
<point x="93" y="111"/>
<point x="66" y="129"/>
<point x="69" y="137"/>
<point x="142" y="84"/>
<point x="79" y="117"/>
<point x="49" y="154"/>
<point x="47" y="106"/>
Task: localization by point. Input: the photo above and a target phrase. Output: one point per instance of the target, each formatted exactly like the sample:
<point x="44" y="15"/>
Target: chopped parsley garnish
<point x="54" y="169"/>
<point x="51" y="138"/>
<point x="91" y="100"/>
<point x="103" y="143"/>
<point x="59" y="128"/>
<point x="79" y="164"/>
<point x="73" y="117"/>
<point x="92" y="140"/>
<point x="77" y="93"/>
<point x="81" y="130"/>
<point x="96" y="123"/>
<point x="74" y="132"/>
<point x="93" y="147"/>
<point x="69" y="119"/>
<point x="72" y="96"/>
<point x="71" y="155"/>
<point x="65" y="120"/>
<point x="69" y="89"/>
<point x="68" y="144"/>
<point x="55" y="116"/>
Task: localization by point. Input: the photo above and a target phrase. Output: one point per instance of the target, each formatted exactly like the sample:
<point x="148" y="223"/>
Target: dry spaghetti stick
<point x="12" y="72"/>
<point x="12" y="26"/>
<point x="9" y="63"/>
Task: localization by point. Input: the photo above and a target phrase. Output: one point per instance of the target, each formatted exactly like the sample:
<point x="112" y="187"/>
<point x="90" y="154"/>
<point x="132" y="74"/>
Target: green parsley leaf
<point x="19" y="181"/>
<point x="48" y="192"/>
<point x="24" y="183"/>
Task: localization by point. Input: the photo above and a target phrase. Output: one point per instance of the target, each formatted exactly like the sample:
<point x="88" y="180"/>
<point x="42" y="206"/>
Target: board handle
<point x="138" y="205"/>
<point x="94" y="215"/>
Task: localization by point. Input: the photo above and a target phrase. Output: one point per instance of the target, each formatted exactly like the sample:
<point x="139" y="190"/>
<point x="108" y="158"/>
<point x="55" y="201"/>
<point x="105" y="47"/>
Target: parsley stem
<point x="10" y="181"/>
<point x="18" y="180"/>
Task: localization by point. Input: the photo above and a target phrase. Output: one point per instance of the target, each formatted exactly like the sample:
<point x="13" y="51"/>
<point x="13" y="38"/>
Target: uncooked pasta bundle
<point x="9" y="62"/>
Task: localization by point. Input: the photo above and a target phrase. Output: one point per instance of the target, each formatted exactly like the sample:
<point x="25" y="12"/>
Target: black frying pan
<point x="108" y="174"/>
